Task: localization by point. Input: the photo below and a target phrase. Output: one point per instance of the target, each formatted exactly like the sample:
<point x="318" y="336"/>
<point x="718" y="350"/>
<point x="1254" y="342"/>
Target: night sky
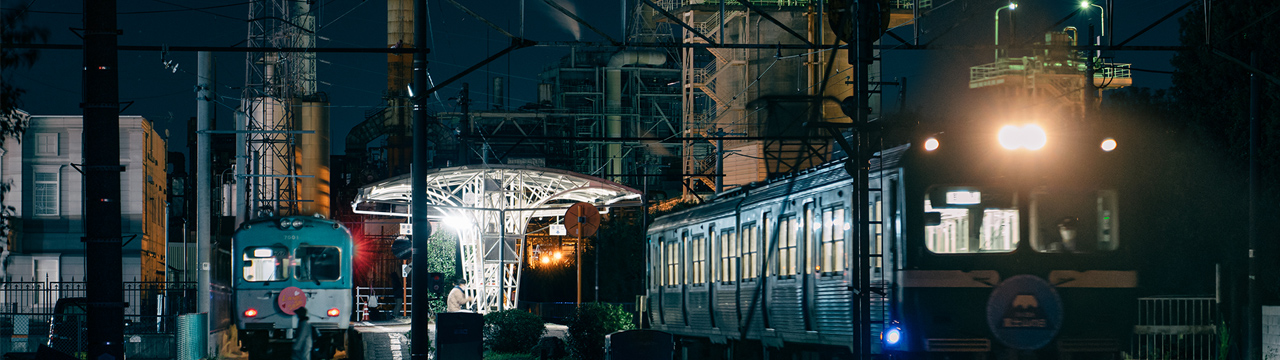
<point x="355" y="82"/>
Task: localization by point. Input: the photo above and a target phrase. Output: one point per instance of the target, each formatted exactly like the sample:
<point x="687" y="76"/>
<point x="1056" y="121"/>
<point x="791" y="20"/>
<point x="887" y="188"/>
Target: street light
<point x="1102" y="14"/>
<point x="1011" y="7"/>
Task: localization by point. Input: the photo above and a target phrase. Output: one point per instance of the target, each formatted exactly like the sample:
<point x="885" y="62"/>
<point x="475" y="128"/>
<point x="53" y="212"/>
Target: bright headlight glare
<point x="1030" y="137"/>
<point x="1035" y="138"/>
<point x="931" y="144"/>
<point x="1108" y="144"/>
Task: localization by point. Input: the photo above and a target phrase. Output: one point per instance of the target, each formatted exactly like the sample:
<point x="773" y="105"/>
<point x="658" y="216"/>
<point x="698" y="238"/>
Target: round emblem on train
<point x="1024" y="312"/>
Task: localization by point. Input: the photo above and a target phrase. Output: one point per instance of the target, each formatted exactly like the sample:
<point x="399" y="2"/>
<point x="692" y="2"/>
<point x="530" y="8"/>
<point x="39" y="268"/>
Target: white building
<point x="47" y="195"/>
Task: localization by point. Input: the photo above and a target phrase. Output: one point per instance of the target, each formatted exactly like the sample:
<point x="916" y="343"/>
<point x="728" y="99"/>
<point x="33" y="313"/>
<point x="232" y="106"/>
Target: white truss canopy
<point x="485" y="203"/>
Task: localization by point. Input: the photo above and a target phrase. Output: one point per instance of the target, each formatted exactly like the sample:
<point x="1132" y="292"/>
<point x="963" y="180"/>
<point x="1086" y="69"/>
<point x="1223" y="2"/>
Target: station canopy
<point x="485" y="203"/>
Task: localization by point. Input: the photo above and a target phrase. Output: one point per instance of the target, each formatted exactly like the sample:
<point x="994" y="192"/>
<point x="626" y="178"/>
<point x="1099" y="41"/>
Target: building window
<point x="47" y="144"/>
<point x="46" y="194"/>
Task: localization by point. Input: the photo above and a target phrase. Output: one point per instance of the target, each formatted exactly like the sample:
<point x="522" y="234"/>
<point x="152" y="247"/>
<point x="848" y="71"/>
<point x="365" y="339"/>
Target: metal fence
<point x="1176" y="328"/>
<point x="392" y="303"/>
<point x="27" y="315"/>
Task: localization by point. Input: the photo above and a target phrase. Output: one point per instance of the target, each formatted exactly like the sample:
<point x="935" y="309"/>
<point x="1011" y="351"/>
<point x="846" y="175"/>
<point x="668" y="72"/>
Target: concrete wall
<point x="56" y="238"/>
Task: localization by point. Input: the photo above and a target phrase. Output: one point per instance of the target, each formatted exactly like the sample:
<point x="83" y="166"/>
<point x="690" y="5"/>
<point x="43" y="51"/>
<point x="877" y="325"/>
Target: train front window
<point x="965" y="220"/>
<point x="318" y="263"/>
<point x="1074" y="220"/>
<point x="265" y="263"/>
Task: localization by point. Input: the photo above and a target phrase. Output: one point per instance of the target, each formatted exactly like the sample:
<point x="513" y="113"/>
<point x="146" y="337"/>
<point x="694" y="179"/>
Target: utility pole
<point x="102" y="169"/>
<point x="1090" y="91"/>
<point x="418" y="201"/>
<point x="865" y="34"/>
<point x="1253" y="314"/>
<point x="464" y="142"/>
<point x="204" y="166"/>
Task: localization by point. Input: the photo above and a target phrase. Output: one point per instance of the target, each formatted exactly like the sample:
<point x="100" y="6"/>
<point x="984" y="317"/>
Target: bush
<point x="550" y="347"/>
<point x="512" y="330"/>
<point x="590" y="323"/>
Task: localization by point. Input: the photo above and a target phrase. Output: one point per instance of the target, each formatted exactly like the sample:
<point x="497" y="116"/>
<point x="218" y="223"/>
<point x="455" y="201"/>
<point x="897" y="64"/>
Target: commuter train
<point x="977" y="246"/>
<point x="284" y="263"/>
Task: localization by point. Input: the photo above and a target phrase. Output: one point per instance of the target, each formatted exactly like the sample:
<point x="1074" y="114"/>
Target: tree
<point x="14" y="29"/>
<point x="1212" y="96"/>
<point x="441" y="258"/>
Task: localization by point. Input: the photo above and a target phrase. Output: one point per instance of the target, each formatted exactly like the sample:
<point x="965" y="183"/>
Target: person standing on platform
<point x="458" y="296"/>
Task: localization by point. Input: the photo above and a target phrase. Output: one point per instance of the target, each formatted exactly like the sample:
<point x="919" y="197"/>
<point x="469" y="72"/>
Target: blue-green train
<point x="283" y="263"/>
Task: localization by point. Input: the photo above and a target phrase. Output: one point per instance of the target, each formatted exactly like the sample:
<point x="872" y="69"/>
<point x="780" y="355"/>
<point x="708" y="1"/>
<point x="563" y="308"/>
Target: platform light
<point x="546" y="260"/>
<point x="559" y="255"/>
<point x="1108" y="144"/>
<point x="333" y="312"/>
<point x="1030" y="137"/>
<point x="251" y="312"/>
<point x="931" y="144"/>
<point x="457" y="222"/>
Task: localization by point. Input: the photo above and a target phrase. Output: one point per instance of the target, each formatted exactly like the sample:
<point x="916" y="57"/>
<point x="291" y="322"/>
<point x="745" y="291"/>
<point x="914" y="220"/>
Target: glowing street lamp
<point x="1102" y="15"/>
<point x="1011" y="7"/>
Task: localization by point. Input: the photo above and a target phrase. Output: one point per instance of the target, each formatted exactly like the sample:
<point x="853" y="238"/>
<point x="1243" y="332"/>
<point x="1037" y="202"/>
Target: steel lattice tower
<point x="276" y="83"/>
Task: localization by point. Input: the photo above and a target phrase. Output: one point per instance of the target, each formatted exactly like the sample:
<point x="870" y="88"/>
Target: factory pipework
<point x="613" y="98"/>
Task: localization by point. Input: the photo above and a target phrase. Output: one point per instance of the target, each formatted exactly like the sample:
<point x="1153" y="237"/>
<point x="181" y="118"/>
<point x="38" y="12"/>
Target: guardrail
<point x="1176" y="328"/>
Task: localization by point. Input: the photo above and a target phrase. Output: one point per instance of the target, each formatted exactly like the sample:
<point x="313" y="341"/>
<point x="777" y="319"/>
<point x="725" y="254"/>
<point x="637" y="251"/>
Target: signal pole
<point x="418" y="200"/>
<point x="101" y="96"/>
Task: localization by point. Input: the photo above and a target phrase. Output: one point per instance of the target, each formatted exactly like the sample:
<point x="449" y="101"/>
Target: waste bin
<point x="638" y="344"/>
<point x="459" y="335"/>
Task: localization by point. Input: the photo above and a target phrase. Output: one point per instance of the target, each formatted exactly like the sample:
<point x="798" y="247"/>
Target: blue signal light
<point x="892" y="336"/>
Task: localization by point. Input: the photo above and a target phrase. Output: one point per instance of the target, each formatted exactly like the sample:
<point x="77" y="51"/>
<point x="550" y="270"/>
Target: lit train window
<point x="832" y="248"/>
<point x="786" y="264"/>
<point x="987" y="226"/>
<point x="265" y="263"/>
<point x="1074" y="220"/>
<point x="698" y="251"/>
<point x="750" y="251"/>
<point x="728" y="256"/>
<point x="318" y="263"/>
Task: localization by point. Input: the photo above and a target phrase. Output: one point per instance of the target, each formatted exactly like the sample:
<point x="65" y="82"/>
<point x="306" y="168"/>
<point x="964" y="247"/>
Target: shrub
<point x="512" y="330"/>
<point x="590" y="323"/>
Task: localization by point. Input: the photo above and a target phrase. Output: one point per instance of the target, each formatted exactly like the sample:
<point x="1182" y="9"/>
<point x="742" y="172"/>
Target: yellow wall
<point x="155" y="186"/>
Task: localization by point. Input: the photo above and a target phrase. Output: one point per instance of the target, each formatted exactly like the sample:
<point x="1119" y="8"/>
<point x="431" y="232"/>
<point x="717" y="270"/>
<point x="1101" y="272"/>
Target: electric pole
<point x="101" y="94"/>
<point x="418" y="199"/>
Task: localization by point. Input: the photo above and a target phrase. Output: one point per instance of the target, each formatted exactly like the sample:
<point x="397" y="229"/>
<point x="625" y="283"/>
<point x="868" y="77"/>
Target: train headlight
<point x="333" y="312"/>
<point x="931" y="144"/>
<point x="251" y="313"/>
<point x="1030" y="137"/>
<point x="297" y="223"/>
<point x="1108" y="144"/>
<point x="284" y="223"/>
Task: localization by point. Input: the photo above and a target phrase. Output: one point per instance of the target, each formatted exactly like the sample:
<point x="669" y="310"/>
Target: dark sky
<point x="355" y="82"/>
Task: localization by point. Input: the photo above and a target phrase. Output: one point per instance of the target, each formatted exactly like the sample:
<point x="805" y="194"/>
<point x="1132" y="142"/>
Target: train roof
<point x="826" y="173"/>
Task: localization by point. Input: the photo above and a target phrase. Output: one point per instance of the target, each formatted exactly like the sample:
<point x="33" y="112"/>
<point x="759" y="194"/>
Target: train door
<point x="805" y="269"/>
<point x="656" y="280"/>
